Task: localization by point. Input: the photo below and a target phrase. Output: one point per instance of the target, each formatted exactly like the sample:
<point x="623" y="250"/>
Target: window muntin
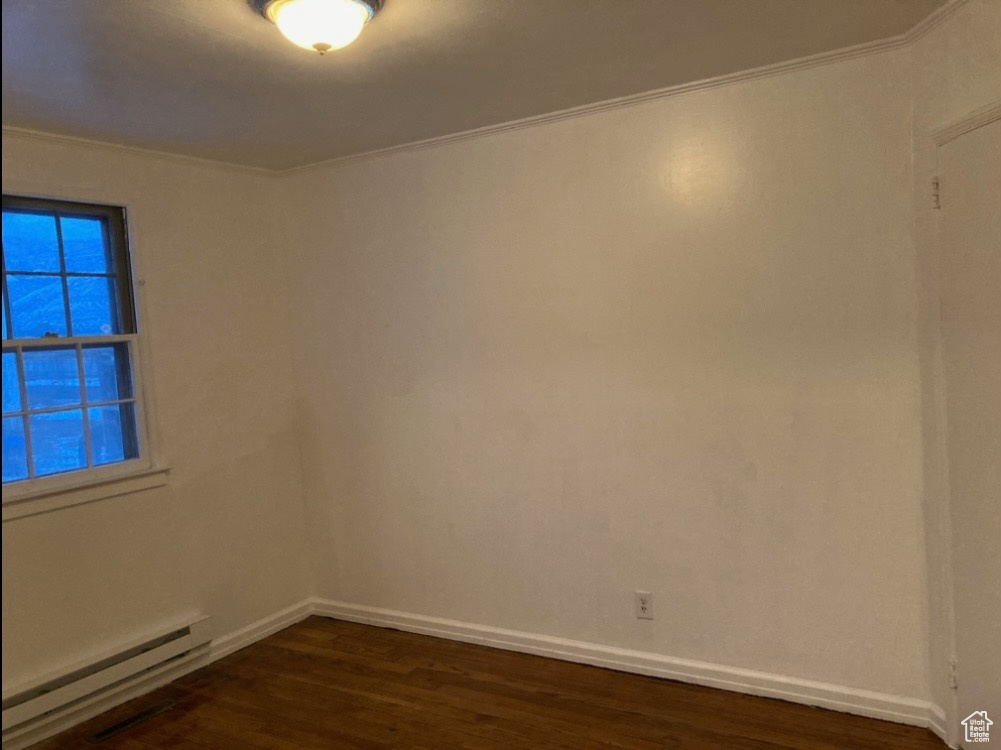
<point x="70" y="357"/>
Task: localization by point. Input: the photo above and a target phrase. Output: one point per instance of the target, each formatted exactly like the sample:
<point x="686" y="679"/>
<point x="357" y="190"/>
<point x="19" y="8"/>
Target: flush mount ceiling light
<point x="320" y="25"/>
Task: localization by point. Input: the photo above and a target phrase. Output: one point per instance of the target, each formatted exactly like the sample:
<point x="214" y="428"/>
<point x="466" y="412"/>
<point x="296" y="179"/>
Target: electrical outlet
<point x="644" y="605"/>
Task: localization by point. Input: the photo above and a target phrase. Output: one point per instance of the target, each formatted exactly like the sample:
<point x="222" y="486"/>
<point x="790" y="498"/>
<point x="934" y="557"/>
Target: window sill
<point x="49" y="500"/>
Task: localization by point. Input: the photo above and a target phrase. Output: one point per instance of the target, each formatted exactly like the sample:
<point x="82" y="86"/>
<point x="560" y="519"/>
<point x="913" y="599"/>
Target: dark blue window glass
<point x="92" y="305"/>
<point x="11" y="390"/>
<point x="57" y="442"/>
<point x="52" y="377"/>
<point x="85" y="246"/>
<point x="30" y="242"/>
<point x="112" y="437"/>
<point x="68" y="405"/>
<point x="106" y="370"/>
<point x="36" y="305"/>
<point x="15" y="461"/>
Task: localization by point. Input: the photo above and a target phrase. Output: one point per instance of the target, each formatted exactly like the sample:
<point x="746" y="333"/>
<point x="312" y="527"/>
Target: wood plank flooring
<point x="330" y="684"/>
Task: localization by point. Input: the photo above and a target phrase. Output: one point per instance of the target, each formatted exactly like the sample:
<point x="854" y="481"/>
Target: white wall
<point x="224" y="537"/>
<point x="956" y="70"/>
<point x="668" y="347"/>
<point x="682" y="346"/>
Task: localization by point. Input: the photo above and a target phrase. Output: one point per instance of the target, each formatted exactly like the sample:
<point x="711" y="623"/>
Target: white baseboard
<point x="938" y="724"/>
<point x="261" y="629"/>
<point x="61" y="720"/>
<point x="837" y="697"/>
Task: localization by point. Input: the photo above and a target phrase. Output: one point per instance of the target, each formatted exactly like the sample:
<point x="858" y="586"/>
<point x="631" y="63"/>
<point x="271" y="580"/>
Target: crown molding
<point x="933" y="20"/>
<point x="978" y="119"/>
<point x="902" y="41"/>
<point x="607" y="105"/>
<point x="10" y="131"/>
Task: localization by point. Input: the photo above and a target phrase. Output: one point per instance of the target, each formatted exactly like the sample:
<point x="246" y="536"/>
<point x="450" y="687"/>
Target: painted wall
<point x="224" y="537"/>
<point x="970" y="236"/>
<point x="681" y="346"/>
<point x="956" y="71"/>
<point x="669" y="347"/>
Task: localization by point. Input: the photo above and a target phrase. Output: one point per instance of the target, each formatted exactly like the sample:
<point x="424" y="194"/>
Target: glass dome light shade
<point x="319" y="25"/>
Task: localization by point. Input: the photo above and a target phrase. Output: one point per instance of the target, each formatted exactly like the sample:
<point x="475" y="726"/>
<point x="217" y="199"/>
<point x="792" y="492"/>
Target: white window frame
<point x="43" y="494"/>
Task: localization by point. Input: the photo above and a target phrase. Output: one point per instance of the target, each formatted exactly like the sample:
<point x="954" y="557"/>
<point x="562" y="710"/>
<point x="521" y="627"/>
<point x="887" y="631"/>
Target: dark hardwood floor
<point x="330" y="684"/>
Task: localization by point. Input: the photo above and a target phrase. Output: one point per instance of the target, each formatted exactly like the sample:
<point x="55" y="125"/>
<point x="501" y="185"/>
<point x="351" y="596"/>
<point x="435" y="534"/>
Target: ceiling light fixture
<point x="320" y="25"/>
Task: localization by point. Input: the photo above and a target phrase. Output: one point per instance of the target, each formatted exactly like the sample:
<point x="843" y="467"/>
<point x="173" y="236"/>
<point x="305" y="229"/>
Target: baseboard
<point x="938" y="724"/>
<point x="261" y="629"/>
<point x="60" y="721"/>
<point x="837" y="697"/>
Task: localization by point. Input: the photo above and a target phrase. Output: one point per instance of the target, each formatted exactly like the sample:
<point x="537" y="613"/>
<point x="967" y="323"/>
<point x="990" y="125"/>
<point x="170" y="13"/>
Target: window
<point x="70" y="395"/>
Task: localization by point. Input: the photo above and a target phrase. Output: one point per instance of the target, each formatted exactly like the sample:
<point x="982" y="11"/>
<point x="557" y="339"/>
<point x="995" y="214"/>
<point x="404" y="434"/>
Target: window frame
<point x="94" y="482"/>
<point x="114" y="218"/>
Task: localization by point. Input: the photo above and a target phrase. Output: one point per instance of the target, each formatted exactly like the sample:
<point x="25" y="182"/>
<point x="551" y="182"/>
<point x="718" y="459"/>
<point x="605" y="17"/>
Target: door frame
<point x="943" y="519"/>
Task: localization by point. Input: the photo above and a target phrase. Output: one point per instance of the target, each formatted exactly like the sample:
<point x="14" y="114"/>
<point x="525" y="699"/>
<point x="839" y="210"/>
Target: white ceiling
<point x="210" y="78"/>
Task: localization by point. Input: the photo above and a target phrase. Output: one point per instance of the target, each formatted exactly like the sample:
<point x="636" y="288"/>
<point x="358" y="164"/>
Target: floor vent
<point x="82" y="682"/>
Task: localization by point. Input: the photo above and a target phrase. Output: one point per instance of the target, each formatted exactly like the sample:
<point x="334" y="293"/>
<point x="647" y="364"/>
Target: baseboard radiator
<point x="81" y="684"/>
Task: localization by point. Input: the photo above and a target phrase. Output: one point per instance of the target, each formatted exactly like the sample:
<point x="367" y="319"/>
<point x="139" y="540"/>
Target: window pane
<point x="113" y="434"/>
<point x="52" y="378"/>
<point x="84" y="246"/>
<point x="57" y="442"/>
<point x="11" y="391"/>
<point x="29" y="242"/>
<point x="4" y="308"/>
<point x="106" y="370"/>
<point x="15" y="465"/>
<point x="92" y="306"/>
<point x="36" y="305"/>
